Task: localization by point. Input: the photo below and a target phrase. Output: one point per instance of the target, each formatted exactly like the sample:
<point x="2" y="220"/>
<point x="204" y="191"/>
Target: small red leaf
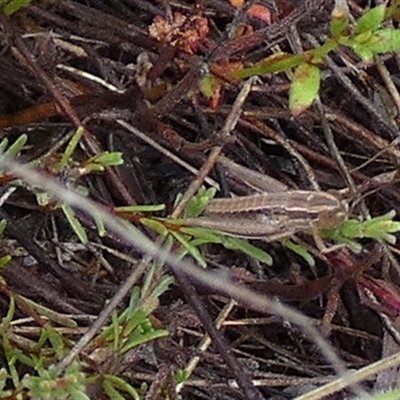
<point x="385" y="293"/>
<point x="261" y="12"/>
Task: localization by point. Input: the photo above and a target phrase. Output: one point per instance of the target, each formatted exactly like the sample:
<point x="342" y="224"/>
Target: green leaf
<point x="140" y="208"/>
<point x="78" y="394"/>
<point x="3" y="145"/>
<point x="115" y="332"/>
<point x="385" y="41"/>
<point x="101" y="228"/>
<point x="6" y="321"/>
<point x="132" y="321"/>
<point x="75" y="223"/>
<point x="363" y="51"/>
<point x="304" y="88"/>
<point x="67" y="155"/>
<point x="56" y="341"/>
<point x="4" y="376"/>
<point x="207" y="86"/>
<point x="14" y="149"/>
<point x="15" y="5"/>
<point x="4" y="261"/>
<point x="52" y="315"/>
<point x="371" y="20"/>
<point x="121" y="384"/>
<point x="189" y="247"/>
<point x="318" y="55"/>
<point x="17" y="146"/>
<point x="107" y="159"/>
<point x="199" y="202"/>
<point x="300" y="251"/>
<point x="155" y="225"/>
<point x="245" y="247"/>
<point x="181" y="376"/>
<point x="163" y="285"/>
<point x="364" y="38"/>
<point x="352" y="229"/>
<point x="380" y="228"/>
<point x="134" y="300"/>
<point x="339" y="21"/>
<point x="273" y="64"/>
<point x="111" y="392"/>
<point x="3" y="224"/>
<point x="137" y="340"/>
<point x="204" y="236"/>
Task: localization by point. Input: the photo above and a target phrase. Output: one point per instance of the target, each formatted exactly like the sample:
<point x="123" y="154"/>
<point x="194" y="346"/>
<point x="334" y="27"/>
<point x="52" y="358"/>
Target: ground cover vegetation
<point x="121" y="276"/>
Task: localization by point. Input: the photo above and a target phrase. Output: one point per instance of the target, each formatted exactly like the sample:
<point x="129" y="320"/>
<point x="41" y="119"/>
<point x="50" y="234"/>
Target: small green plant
<point x="128" y="330"/>
<point x="70" y="171"/>
<point x="48" y="385"/>
<point x="10" y="7"/>
<point x="367" y="38"/>
<point x="44" y="381"/>
<point x="378" y="228"/>
<point x="64" y="167"/>
<point x="132" y="327"/>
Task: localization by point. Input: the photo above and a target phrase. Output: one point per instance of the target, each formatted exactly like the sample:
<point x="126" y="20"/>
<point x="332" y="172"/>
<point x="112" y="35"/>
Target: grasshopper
<point x="273" y="216"/>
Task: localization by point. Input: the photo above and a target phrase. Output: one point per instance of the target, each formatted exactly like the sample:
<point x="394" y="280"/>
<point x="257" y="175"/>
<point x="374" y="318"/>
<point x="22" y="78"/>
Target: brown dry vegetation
<point x="153" y="55"/>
